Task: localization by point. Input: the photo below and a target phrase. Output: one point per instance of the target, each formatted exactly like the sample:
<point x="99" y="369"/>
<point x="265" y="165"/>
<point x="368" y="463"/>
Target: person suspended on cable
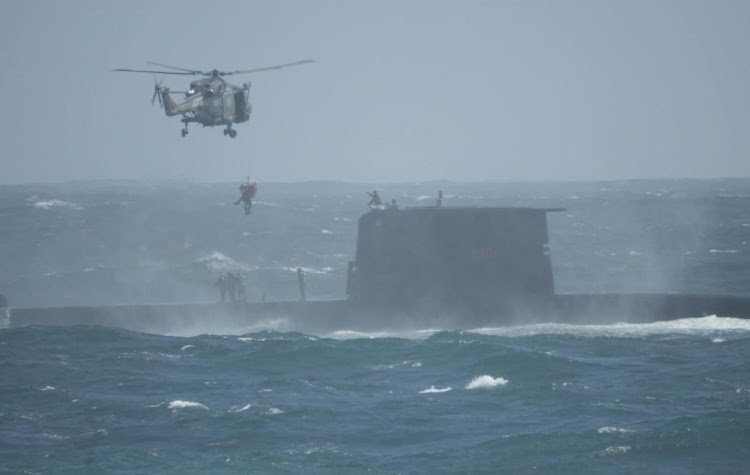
<point x="247" y="193"/>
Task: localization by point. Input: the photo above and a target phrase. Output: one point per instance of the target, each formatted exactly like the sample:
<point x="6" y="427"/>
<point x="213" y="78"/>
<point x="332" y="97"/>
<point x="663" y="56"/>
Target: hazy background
<point x="401" y="90"/>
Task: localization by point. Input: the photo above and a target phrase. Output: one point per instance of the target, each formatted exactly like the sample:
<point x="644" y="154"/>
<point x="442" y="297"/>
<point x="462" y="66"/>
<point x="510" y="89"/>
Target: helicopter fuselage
<point x="210" y="102"/>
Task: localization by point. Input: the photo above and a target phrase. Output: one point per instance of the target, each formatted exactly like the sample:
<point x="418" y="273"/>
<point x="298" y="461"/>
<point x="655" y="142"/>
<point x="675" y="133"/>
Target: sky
<point x="400" y="91"/>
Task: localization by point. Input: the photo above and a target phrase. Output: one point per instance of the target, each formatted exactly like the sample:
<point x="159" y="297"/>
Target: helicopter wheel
<point x="184" y="132"/>
<point x="232" y="133"/>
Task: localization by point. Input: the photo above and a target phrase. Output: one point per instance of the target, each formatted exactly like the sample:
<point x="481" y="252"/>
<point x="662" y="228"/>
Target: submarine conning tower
<point x="476" y="258"/>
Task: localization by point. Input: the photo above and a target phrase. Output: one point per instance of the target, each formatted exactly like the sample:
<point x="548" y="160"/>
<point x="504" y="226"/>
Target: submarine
<point x="416" y="268"/>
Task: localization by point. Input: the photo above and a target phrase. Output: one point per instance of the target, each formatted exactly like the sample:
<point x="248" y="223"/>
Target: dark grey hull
<point x="322" y="317"/>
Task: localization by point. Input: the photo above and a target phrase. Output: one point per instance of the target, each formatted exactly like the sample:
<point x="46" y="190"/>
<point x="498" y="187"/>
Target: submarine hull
<point x="332" y="315"/>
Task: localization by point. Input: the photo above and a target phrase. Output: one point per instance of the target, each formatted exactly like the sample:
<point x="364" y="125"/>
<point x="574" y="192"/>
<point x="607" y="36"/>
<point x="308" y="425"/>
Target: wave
<point x="486" y="382"/>
<point x="613" y="430"/>
<point x="309" y="270"/>
<point x="433" y="390"/>
<point x="216" y="261"/>
<point x="699" y="326"/>
<point x="178" y="404"/>
<point x="52" y="204"/>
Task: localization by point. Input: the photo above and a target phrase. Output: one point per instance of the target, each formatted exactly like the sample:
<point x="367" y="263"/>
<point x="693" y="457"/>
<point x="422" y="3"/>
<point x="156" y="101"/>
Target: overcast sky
<point x="402" y="90"/>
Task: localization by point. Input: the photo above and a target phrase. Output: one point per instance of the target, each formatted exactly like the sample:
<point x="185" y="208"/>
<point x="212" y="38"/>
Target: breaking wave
<point x="486" y="382"/>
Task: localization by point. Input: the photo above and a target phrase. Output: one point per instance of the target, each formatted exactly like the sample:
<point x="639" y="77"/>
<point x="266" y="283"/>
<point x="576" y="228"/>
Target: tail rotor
<point x="158" y="89"/>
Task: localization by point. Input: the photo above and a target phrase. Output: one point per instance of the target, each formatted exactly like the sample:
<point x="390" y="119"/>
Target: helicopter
<point x="210" y="101"/>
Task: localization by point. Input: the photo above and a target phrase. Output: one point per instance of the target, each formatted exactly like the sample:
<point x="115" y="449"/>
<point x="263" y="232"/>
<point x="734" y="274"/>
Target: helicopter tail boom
<point x="171" y="107"/>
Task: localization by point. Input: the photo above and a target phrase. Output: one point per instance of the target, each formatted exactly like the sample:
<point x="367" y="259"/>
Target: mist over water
<point x="669" y="397"/>
<point x="96" y="243"/>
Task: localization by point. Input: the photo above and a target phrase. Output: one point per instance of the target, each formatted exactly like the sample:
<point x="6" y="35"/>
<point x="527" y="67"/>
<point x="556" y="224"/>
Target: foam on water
<point x="615" y="450"/>
<point x="612" y="430"/>
<point x="486" y="382"/>
<point x="216" y="261"/>
<point x="309" y="270"/>
<point x="53" y="204"/>
<point x="701" y="326"/>
<point x="406" y="334"/>
<point x="178" y="404"/>
<point x="434" y="390"/>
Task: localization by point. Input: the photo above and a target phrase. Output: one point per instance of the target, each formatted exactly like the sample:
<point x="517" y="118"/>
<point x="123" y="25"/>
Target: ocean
<point x="665" y="397"/>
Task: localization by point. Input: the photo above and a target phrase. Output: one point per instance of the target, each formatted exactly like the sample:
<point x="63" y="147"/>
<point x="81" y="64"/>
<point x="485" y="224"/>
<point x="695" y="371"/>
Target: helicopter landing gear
<point x="230" y="132"/>
<point x="184" y="132"/>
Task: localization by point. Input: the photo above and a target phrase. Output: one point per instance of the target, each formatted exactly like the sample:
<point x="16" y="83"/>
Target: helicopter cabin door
<point x="228" y="102"/>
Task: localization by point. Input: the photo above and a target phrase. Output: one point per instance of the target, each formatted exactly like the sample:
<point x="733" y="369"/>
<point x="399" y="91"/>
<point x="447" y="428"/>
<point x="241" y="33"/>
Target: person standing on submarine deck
<point x="302" y="282"/>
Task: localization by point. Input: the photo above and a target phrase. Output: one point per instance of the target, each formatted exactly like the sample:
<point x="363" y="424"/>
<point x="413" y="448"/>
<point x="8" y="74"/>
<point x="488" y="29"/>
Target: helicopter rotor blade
<point x="124" y="70"/>
<point x="191" y="71"/>
<point x="269" y="68"/>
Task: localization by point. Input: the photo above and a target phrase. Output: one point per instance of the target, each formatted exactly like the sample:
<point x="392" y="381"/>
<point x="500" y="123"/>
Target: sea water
<point x="665" y="397"/>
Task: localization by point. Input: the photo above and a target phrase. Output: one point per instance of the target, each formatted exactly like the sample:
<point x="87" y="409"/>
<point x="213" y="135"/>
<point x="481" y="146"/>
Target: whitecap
<point x="274" y="411"/>
<point x="242" y="409"/>
<point x="485" y="382"/>
<point x="216" y="261"/>
<point x="615" y="450"/>
<point x="723" y="251"/>
<point x="407" y="334"/>
<point x="178" y="404"/>
<point x="309" y="270"/>
<point x="413" y="364"/>
<point x="186" y="347"/>
<point x="47" y="205"/>
<point x="687" y="326"/>
<point x="433" y="389"/>
<point x="48" y="388"/>
<point x="612" y="430"/>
